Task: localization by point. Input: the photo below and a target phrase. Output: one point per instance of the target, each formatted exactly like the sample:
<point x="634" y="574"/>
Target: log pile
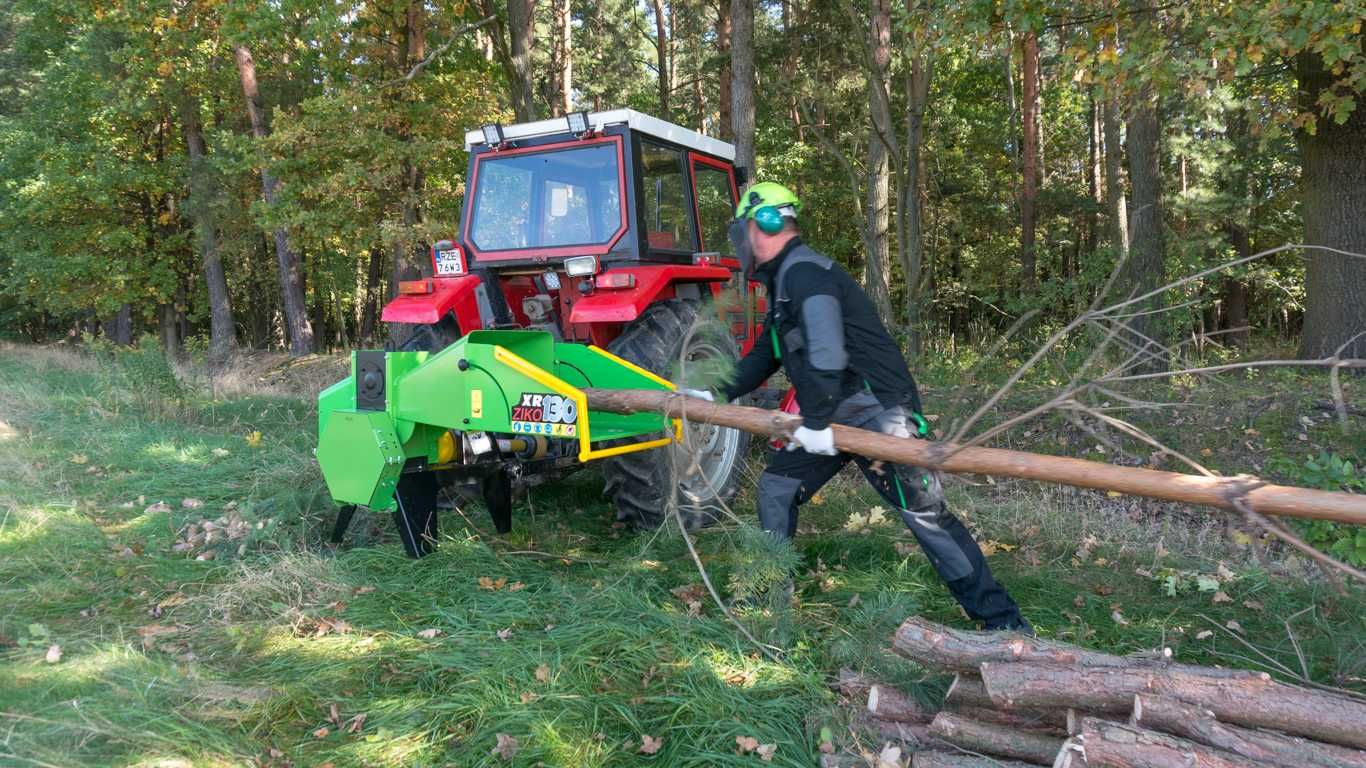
<point x="1018" y="701"/>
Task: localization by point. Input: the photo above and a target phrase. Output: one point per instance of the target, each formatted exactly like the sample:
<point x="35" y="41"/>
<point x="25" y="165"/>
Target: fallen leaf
<point x="362" y="590"/>
<point x="1221" y="597"/>
<point x="54" y="654"/>
<point x="254" y="439"/>
<point x="745" y="744"/>
<point x="492" y="585"/>
<point x="505" y="634"/>
<point x="766" y="752"/>
<point x="1206" y="452"/>
<point x="516" y="586"/>
<point x="356" y="723"/>
<point x="649" y="745"/>
<point x="527" y="697"/>
<point x="688" y="593"/>
<point x="1233" y="625"/>
<point x="78" y="458"/>
<point x="159" y="506"/>
<point x="1253" y="605"/>
<point x="428" y="634"/>
<point x="827" y="748"/>
<point x="694" y="608"/>
<point x="191" y="503"/>
<point x="507" y="746"/>
<point x="321" y="733"/>
<point x="543" y="673"/>
<point x="853" y="601"/>
<point x="1119" y="618"/>
<point x="220" y="452"/>
<point x="1103" y="589"/>
<point x="1204" y="634"/>
<point x="890" y="757"/>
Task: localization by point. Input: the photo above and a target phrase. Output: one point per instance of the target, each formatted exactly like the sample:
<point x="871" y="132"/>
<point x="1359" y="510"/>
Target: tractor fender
<point x="458" y="294"/>
<point x="652" y="283"/>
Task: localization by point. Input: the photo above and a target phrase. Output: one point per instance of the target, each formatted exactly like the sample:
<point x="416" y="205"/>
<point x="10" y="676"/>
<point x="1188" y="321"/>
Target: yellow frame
<point x="562" y="387"/>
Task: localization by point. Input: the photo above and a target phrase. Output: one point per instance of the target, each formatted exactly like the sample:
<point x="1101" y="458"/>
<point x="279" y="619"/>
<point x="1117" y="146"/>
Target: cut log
<point x="1162" y="713"/>
<point x="966" y="691"/>
<point x="1255" y="701"/>
<point x="1047" y="721"/>
<point x="1071" y="755"/>
<point x="991" y="739"/>
<point x="1114" y="745"/>
<point x="911" y="735"/>
<point x="936" y="759"/>
<point x="1220" y="492"/>
<point x="852" y="684"/>
<point x="887" y="703"/>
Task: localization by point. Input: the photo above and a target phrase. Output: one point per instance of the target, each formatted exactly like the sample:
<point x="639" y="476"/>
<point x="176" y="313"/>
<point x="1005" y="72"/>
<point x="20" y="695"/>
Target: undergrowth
<point x="570" y="635"/>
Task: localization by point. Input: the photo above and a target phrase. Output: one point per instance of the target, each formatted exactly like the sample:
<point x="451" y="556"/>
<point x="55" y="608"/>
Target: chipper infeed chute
<point x="491" y="405"/>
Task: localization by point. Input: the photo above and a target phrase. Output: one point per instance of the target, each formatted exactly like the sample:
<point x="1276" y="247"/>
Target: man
<point x="825" y="333"/>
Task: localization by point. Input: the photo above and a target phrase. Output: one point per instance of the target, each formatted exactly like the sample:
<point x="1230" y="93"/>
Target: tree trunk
<point x="1029" y="79"/>
<point x="297" y="327"/>
<point x="976" y="736"/>
<point x="1093" y="184"/>
<point x="1161" y="713"/>
<point x="566" y="68"/>
<point x="723" y="48"/>
<point x="887" y="703"/>
<point x="120" y="330"/>
<point x="522" y="29"/>
<point x="742" y="81"/>
<point x="1255" y="701"/>
<point x="1121" y="746"/>
<point x="925" y="758"/>
<point x="662" y="58"/>
<point x="1146" y="268"/>
<point x="1114" y="183"/>
<point x="222" y="328"/>
<point x="406" y="262"/>
<point x="964" y="651"/>
<point x="877" y="266"/>
<point x="374" y="273"/>
<point x="1192" y="489"/>
<point x="170" y="330"/>
<point x="1333" y="184"/>
<point x="913" y="249"/>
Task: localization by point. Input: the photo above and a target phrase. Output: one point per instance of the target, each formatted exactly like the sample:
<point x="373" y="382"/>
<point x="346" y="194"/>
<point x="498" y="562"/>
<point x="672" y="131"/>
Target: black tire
<point x="641" y="485"/>
<point x="432" y="338"/>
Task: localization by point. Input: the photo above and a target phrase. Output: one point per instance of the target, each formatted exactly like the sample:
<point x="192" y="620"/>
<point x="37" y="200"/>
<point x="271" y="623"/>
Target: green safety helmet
<point x="768" y="203"/>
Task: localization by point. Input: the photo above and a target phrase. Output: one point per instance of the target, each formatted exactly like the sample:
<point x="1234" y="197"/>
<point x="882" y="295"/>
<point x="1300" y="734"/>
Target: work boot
<point x="1016" y="623"/>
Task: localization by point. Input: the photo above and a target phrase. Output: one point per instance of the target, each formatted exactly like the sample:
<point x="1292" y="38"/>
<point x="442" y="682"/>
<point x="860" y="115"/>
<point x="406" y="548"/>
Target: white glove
<point x="700" y="394"/>
<point x="821" y="441"/>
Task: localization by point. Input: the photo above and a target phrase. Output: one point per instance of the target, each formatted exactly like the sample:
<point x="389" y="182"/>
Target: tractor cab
<point x="575" y="225"/>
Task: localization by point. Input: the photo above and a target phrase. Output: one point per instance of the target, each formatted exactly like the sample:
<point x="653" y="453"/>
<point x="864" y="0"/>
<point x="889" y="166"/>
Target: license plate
<point x="449" y="263"/>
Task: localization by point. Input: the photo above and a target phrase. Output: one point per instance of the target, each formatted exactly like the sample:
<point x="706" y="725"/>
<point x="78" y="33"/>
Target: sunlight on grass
<point x="193" y="455"/>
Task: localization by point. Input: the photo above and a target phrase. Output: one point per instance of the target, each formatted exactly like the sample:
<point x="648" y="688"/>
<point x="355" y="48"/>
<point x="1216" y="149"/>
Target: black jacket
<point x="828" y="336"/>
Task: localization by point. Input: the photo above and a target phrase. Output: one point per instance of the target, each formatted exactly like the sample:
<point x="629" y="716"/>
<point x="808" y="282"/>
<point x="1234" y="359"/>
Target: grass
<point x="281" y="650"/>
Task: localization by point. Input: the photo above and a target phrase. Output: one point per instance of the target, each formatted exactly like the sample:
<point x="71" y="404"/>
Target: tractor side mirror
<point x="741" y="176"/>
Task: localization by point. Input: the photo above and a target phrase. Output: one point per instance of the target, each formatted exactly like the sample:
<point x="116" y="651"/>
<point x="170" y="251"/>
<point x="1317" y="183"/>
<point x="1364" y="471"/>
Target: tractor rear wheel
<point x="642" y="485"/>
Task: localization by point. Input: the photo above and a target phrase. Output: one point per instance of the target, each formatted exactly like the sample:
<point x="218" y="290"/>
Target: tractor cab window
<point x="715" y="205"/>
<point x="549" y="199"/>
<point x="668" y="221"/>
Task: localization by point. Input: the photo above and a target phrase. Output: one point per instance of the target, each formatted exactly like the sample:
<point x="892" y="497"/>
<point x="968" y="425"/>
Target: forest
<point x="261" y="175"/>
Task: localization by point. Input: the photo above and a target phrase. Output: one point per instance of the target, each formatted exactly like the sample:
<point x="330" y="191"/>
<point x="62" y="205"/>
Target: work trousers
<point x="793" y="477"/>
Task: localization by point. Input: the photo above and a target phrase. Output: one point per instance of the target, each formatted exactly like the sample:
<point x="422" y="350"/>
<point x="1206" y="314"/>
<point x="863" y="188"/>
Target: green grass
<point x="250" y="652"/>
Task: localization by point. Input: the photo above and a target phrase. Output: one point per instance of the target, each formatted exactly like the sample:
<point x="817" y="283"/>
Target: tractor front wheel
<point x="642" y="485"/>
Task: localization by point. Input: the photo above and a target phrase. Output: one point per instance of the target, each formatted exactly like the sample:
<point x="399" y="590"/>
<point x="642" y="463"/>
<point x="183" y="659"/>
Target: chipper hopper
<point x="482" y="411"/>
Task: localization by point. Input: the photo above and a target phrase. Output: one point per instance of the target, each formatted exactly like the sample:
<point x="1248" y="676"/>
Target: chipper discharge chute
<point x="490" y="407"/>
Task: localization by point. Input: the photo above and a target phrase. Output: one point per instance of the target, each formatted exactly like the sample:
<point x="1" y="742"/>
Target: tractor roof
<point x="638" y="121"/>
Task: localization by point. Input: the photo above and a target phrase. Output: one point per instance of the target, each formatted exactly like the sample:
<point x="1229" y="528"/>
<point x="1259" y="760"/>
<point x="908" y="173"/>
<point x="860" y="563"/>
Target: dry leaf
<point x="254" y="439"/>
<point x="827" y="748"/>
<point x="1119" y="618"/>
<point x="694" y="608"/>
<point x="853" y="601"/>
<point x="493" y="585"/>
<point x="362" y="590"/>
<point x="356" y="723"/>
<point x="1221" y="597"/>
<point x="1233" y="625"/>
<point x="321" y="733"/>
<point x="78" y="458"/>
<point x="507" y="747"/>
<point x="527" y="697"/>
<point x="1204" y="634"/>
<point x="649" y="745"/>
<point x="890" y="757"/>
<point x="54" y="654"/>
<point x="191" y="503"/>
<point x="505" y="634"/>
<point x="766" y="752"/>
<point x="543" y="673"/>
<point x="1253" y="605"/>
<point x="745" y="744"/>
<point x="219" y="452"/>
<point x="516" y="586"/>
<point x="160" y="506"/>
<point x="428" y="634"/>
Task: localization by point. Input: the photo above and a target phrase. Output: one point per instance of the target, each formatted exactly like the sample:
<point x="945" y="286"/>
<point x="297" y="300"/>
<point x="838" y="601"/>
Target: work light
<point x="578" y="122"/>
<point x="493" y="134"/>
<point x="581" y="266"/>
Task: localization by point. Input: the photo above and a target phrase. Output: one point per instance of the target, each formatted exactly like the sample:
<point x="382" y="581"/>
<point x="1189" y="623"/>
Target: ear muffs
<point x="770" y="219"/>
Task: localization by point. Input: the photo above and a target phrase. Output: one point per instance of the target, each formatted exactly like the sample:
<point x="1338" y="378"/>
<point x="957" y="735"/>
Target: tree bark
<point x="913" y="247"/>
<point x="976" y="736"/>
<point x="1333" y="184"/>
<point x="1146" y="266"/>
<point x="877" y="265"/>
<point x="1254" y="701"/>
<point x="1122" y="746"/>
<point x="374" y="273"/>
<point x="1218" y="492"/>
<point x="1114" y="183"/>
<point x="297" y="328"/>
<point x="662" y="58"/>
<point x="723" y="48"/>
<point x="406" y="262"/>
<point x="1029" y="170"/>
<point x="222" y="328"/>
<point x="742" y="81"/>
<point x="1161" y="713"/>
<point x="121" y="329"/>
<point x="522" y="31"/>
<point x="887" y="703"/>
<point x="935" y="759"/>
<point x="1094" y="183"/>
<point x="964" y="651"/>
<point x="1050" y="722"/>
<point x="566" y="56"/>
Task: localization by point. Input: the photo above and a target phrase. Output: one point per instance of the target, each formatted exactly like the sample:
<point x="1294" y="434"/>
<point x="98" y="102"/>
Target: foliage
<point x="1331" y="472"/>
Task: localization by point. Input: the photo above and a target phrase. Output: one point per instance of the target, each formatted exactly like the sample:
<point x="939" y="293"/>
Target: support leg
<point x="497" y="489"/>
<point x="343" y="522"/>
<point x="415" y="513"/>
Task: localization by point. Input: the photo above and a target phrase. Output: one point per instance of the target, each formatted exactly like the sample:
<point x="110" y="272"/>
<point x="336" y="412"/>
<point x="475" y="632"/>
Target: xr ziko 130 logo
<point x="545" y="414"/>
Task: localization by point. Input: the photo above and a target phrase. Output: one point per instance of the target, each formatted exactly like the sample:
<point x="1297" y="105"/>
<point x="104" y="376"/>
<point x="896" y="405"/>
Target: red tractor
<point x="607" y="229"/>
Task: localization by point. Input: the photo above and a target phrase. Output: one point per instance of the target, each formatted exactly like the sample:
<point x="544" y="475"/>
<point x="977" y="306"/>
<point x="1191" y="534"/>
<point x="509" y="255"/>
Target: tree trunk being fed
<point x="1178" y="718"/>
<point x="976" y="736"/>
<point x="222" y="328"/>
<point x="1121" y="746"/>
<point x="1255" y="700"/>
<point x="742" y="81"/>
<point x="1029" y="170"/>
<point x="1219" y="492"/>
<point x="297" y="327"/>
<point x="1333" y="184"/>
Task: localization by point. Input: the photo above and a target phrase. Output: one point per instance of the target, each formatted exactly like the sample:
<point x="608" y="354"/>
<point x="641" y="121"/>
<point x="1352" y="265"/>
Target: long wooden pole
<point x="1221" y="492"/>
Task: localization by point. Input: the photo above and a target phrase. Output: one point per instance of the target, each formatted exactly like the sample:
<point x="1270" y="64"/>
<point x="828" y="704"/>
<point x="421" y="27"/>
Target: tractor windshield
<point x="547" y="199"/>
